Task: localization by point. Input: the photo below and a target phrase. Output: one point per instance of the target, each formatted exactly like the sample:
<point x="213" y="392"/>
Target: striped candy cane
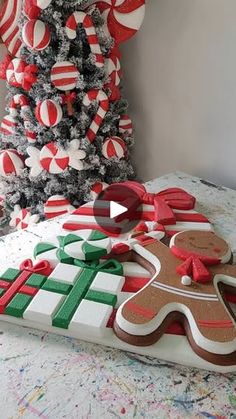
<point x="82" y="18"/>
<point x="22" y="102"/>
<point x="103" y="101"/>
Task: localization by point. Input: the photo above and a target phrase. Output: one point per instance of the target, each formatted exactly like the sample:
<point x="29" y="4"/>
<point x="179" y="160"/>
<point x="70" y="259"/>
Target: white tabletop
<point x="49" y="376"/>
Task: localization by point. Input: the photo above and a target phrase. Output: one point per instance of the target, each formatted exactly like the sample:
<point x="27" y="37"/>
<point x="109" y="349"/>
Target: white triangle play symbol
<point x="116" y="209"/>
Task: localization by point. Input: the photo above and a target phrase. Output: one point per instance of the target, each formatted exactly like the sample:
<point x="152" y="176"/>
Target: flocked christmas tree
<point x="67" y="126"/>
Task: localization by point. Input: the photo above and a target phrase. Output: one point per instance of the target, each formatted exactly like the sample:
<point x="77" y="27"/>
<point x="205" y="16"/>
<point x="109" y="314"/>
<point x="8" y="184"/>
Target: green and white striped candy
<point x="86" y="244"/>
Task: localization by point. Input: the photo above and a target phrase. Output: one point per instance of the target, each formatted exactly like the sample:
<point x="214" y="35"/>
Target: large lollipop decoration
<point x="123" y="17"/>
<point x="64" y="76"/>
<point x="9" y="29"/>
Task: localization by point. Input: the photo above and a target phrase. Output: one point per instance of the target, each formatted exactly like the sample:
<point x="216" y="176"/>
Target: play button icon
<point x="116" y="209"/>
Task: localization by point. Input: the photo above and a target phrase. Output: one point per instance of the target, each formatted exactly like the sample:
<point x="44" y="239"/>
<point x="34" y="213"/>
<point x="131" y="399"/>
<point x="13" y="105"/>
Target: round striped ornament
<point x="87" y="245"/>
<point x="57" y="205"/>
<point x="125" y="125"/>
<point x="11" y="162"/>
<point x="8" y="125"/>
<point x="97" y="188"/>
<point x="53" y="159"/>
<point x="48" y="113"/>
<point x="64" y="75"/>
<point x="114" y="147"/>
<point x="15" y="72"/>
<point x="36" y="35"/>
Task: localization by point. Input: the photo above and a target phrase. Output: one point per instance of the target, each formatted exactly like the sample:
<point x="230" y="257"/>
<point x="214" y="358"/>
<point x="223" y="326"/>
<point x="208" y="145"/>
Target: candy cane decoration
<point x="22" y="102"/>
<point x="82" y="18"/>
<point x="103" y="101"/>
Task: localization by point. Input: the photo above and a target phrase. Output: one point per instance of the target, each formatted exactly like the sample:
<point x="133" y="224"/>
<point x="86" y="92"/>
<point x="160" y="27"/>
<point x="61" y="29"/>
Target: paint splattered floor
<point x="48" y="376"/>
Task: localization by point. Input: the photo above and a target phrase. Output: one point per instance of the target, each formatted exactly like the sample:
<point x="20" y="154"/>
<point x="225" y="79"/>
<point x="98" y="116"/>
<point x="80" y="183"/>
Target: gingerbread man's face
<point x="204" y="243"/>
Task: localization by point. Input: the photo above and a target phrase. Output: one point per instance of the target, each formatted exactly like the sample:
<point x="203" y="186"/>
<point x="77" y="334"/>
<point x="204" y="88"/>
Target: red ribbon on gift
<point x="42" y="267"/>
<point x="163" y="201"/>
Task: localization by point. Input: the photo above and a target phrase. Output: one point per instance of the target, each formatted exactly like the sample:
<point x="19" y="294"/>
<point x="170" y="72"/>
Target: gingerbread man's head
<point x="203" y="244"/>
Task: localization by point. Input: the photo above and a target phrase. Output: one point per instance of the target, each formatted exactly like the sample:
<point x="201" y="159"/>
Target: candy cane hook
<point x="103" y="101"/>
<point x="82" y="18"/>
<point x="21" y="102"/>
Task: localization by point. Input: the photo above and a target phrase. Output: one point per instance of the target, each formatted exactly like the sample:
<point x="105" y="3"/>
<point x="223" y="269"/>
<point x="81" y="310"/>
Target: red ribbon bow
<point x="194" y="265"/>
<point x="163" y="201"/>
<point x="42" y="267"/>
<point x="68" y="98"/>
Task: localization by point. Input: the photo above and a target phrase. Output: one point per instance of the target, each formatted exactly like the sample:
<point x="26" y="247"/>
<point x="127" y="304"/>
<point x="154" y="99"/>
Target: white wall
<point x="180" y="79"/>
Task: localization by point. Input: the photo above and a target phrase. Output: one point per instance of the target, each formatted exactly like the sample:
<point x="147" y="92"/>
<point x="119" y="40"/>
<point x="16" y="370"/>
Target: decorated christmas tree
<point x="66" y="133"/>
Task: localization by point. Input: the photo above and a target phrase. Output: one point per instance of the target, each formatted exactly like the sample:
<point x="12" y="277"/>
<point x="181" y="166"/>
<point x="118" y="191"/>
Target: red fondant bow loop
<point x="43" y="267"/>
<point x="194" y="265"/>
<point x="163" y="201"/>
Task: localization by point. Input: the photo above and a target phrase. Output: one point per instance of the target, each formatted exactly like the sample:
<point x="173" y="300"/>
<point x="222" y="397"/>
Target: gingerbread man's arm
<point x="228" y="270"/>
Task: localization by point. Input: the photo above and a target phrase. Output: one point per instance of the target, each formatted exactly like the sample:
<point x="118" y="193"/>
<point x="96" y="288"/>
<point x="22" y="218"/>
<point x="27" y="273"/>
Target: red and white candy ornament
<point x="102" y="99"/>
<point x="9" y="29"/>
<point x="57" y="205"/>
<point x="21" y="218"/>
<point x="81" y="18"/>
<point x="125" y="125"/>
<point x="97" y="188"/>
<point x="54" y="159"/>
<point x="18" y="102"/>
<point x="36" y="35"/>
<point x="48" y="113"/>
<point x="20" y="74"/>
<point x="123" y="17"/>
<point x="114" y="147"/>
<point x="11" y="162"/>
<point x="33" y="8"/>
<point x="8" y="125"/>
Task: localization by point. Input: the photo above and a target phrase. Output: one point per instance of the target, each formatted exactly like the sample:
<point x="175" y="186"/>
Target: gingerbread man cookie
<point x="188" y="285"/>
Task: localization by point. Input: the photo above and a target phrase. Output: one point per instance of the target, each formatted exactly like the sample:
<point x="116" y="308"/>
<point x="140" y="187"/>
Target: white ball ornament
<point x="114" y="147"/>
<point x="36" y="35"/>
<point x="186" y="280"/>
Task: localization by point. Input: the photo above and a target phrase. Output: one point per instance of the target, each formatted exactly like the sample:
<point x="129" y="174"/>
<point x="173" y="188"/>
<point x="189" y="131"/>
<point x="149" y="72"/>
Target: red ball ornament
<point x="36" y="35"/>
<point x="114" y="147"/>
<point x="11" y="162"/>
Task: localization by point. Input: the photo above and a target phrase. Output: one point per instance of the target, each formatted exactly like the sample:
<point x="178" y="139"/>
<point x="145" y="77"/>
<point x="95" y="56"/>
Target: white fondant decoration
<point x="43" y="307"/>
<point x="106" y="282"/>
<point x="91" y="318"/>
<point x="186" y="280"/>
<point x="65" y="273"/>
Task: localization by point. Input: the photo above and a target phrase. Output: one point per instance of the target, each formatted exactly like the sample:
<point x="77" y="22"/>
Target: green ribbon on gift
<point x="111" y="266"/>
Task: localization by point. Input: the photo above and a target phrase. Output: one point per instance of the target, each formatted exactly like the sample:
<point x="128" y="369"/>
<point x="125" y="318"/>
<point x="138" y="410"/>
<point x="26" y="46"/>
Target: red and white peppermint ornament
<point x="64" y="75"/>
<point x="125" y="125"/>
<point x="57" y="205"/>
<point x="8" y="125"/>
<point x="36" y="35"/>
<point x="9" y="29"/>
<point x="102" y="99"/>
<point x="123" y="17"/>
<point x="81" y="18"/>
<point x="53" y="159"/>
<point x="41" y="4"/>
<point x="97" y="188"/>
<point x="11" y="162"/>
<point x="15" y="72"/>
<point x="33" y="8"/>
<point x="48" y="113"/>
<point x="114" y="147"/>
<point x="22" y="218"/>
